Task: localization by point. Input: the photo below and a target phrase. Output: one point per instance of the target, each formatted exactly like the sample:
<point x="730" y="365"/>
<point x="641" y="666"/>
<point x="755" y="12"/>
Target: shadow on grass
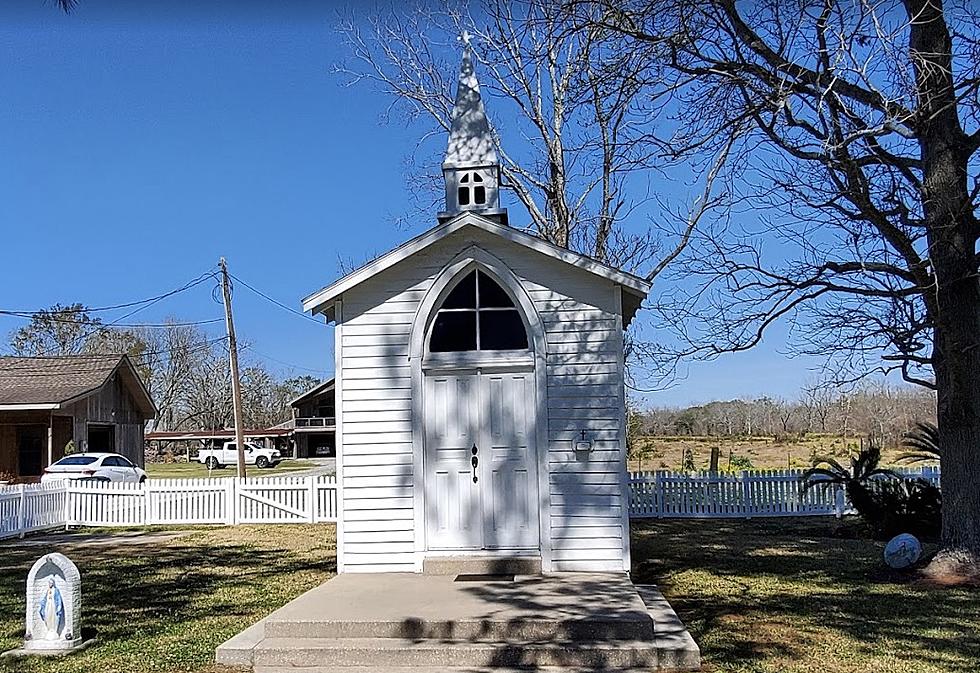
<point x="193" y="588"/>
<point x="763" y="591"/>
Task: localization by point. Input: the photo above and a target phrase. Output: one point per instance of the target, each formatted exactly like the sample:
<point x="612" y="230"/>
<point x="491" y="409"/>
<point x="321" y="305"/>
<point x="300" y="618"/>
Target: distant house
<point x="314" y="420"/>
<point x="97" y="402"/>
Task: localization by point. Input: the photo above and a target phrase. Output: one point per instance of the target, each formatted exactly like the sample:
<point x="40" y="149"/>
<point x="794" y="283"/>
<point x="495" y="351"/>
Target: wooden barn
<point x="97" y="402"/>
<point x="479" y="387"/>
<point x="314" y="422"/>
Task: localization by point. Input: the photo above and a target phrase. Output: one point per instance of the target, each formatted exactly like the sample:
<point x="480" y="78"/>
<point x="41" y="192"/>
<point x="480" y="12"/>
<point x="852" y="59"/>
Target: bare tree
<point x="860" y="123"/>
<point x="586" y="156"/>
<point x="59" y="330"/>
<point x="818" y="401"/>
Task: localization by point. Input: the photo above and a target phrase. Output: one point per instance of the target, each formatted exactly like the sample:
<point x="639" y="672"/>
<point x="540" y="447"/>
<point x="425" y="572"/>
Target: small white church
<point x="479" y="387"/>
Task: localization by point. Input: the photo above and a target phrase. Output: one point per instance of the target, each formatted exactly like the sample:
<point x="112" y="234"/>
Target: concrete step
<point x="432" y="669"/>
<point x="482" y="565"/>
<point x="467" y="630"/>
<point x="386" y="653"/>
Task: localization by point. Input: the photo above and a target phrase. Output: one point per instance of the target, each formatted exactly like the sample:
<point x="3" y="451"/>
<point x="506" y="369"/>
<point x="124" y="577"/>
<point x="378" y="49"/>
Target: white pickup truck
<point x="228" y="455"/>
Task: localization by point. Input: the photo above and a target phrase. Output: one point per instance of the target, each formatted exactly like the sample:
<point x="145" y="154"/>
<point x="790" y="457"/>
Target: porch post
<point x="50" y="439"/>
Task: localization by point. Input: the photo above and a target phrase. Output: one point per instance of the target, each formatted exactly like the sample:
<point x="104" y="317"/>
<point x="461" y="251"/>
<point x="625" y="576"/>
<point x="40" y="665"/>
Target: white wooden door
<point x="452" y="497"/>
<point x="489" y="417"/>
<point x="507" y="461"/>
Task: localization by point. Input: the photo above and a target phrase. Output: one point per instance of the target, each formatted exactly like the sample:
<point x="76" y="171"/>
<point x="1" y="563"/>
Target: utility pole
<point x="236" y="385"/>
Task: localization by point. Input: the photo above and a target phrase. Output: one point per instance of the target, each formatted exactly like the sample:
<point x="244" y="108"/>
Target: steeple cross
<point x="465" y="37"/>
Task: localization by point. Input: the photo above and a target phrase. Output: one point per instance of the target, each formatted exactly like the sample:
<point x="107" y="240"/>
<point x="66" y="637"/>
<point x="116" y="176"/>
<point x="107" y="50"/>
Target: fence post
<point x="230" y="501"/>
<point x="838" y="502"/>
<point x="746" y="495"/>
<point x="21" y="510"/>
<point x="147" y="509"/>
<point x="314" y="497"/>
<point x="656" y="491"/>
<point x="64" y="485"/>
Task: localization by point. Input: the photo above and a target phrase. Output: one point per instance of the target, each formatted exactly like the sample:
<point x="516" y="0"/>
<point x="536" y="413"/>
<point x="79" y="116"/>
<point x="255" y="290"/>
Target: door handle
<point x="474" y="461"/>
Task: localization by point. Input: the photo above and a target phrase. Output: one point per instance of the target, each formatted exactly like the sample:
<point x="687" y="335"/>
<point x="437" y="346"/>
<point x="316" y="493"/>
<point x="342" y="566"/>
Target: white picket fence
<point x="29" y="507"/>
<point x="230" y="501"/>
<point x="710" y="495"/>
<point x="168" y="502"/>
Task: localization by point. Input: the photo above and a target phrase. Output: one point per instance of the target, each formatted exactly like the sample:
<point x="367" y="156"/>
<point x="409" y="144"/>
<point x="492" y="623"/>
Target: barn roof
<point x="313" y="392"/>
<point x="323" y="301"/>
<point x="28" y="383"/>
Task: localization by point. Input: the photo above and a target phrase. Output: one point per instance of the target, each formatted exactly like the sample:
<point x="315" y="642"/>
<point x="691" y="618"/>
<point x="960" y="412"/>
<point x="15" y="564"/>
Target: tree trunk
<point x="952" y="236"/>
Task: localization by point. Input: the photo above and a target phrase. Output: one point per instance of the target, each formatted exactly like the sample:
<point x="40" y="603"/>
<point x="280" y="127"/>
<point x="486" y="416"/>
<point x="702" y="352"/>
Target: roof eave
<point x="41" y="406"/>
<point x="312" y="392"/>
<point x="323" y="301"/>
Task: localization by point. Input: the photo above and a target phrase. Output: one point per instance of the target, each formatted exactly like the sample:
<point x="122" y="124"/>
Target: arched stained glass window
<point x="477" y="315"/>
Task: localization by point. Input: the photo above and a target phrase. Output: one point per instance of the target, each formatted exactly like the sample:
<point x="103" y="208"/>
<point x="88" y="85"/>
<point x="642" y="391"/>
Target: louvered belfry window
<point x="471" y="190"/>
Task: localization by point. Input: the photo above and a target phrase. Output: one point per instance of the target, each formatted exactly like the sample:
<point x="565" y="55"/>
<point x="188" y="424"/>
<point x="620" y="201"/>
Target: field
<point x="803" y="596"/>
<point x="764" y="453"/>
<point x="195" y="469"/>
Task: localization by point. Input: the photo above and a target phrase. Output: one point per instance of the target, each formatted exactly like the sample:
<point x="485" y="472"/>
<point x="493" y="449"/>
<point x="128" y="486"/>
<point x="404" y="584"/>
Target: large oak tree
<point x="856" y="130"/>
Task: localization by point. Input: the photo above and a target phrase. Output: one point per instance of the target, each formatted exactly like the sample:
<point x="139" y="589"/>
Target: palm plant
<point x="864" y="466"/>
<point x="924" y="442"/>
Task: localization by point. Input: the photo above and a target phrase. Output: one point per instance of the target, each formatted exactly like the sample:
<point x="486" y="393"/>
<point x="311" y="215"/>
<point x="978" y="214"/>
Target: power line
<point x="137" y="358"/>
<point x="276" y="302"/>
<point x="283" y="362"/>
<point x="96" y="326"/>
<point x="140" y="306"/>
<point x="98" y="309"/>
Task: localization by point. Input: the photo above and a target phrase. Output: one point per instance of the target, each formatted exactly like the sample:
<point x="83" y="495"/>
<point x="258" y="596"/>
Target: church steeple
<point x="471" y="169"/>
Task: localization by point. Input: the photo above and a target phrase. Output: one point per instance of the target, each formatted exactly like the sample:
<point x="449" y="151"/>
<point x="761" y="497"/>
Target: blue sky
<point x="139" y="142"/>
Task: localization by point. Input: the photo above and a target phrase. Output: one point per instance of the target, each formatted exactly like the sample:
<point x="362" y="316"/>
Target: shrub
<point x="924" y="442"/>
<point x="688" y="462"/>
<point x="905" y="506"/>
<point x="888" y="503"/>
<point x="739" y="463"/>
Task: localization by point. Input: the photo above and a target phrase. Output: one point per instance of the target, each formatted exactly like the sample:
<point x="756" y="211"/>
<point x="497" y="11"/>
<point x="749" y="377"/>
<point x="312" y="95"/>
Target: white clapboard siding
<point x="376" y="403"/>
<point x="579" y="315"/>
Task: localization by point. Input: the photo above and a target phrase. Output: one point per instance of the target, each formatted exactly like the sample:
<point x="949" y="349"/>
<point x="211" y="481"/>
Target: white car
<point x="256" y="455"/>
<point x="94" y="467"/>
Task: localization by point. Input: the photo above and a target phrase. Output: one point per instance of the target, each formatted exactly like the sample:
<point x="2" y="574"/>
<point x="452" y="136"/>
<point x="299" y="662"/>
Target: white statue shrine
<point x="54" y="605"/>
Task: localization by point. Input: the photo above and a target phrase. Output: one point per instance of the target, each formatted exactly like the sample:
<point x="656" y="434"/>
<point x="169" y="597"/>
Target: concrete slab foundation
<point x="577" y="621"/>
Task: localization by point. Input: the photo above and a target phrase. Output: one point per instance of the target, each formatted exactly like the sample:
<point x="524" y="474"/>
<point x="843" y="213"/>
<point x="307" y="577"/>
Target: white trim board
<point x="29" y="407"/>
<point x="322" y="301"/>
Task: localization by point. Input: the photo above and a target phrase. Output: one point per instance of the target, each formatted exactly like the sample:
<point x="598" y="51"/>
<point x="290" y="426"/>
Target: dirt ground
<point x="765" y="453"/>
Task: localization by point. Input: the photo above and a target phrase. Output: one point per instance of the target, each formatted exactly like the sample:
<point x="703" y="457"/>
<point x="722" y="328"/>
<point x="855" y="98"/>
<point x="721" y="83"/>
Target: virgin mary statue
<point x="52" y="611"/>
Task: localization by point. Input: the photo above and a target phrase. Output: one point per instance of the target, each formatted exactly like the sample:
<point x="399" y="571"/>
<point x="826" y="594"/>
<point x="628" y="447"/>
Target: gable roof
<point x="51" y="382"/>
<point x="312" y="392"/>
<point x="323" y="301"/>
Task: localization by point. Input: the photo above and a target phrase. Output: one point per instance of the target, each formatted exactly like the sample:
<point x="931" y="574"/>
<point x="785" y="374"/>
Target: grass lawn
<point x="762" y="596"/>
<point x="791" y="596"/>
<point x="195" y="469"/>
<point x="166" y="606"/>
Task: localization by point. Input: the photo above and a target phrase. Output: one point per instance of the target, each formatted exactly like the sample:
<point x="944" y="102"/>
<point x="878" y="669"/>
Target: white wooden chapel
<point x="479" y="384"/>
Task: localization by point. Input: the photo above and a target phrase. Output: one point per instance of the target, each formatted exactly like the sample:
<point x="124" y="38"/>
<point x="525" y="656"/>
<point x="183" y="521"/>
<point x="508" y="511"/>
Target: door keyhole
<point x="474" y="461"/>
